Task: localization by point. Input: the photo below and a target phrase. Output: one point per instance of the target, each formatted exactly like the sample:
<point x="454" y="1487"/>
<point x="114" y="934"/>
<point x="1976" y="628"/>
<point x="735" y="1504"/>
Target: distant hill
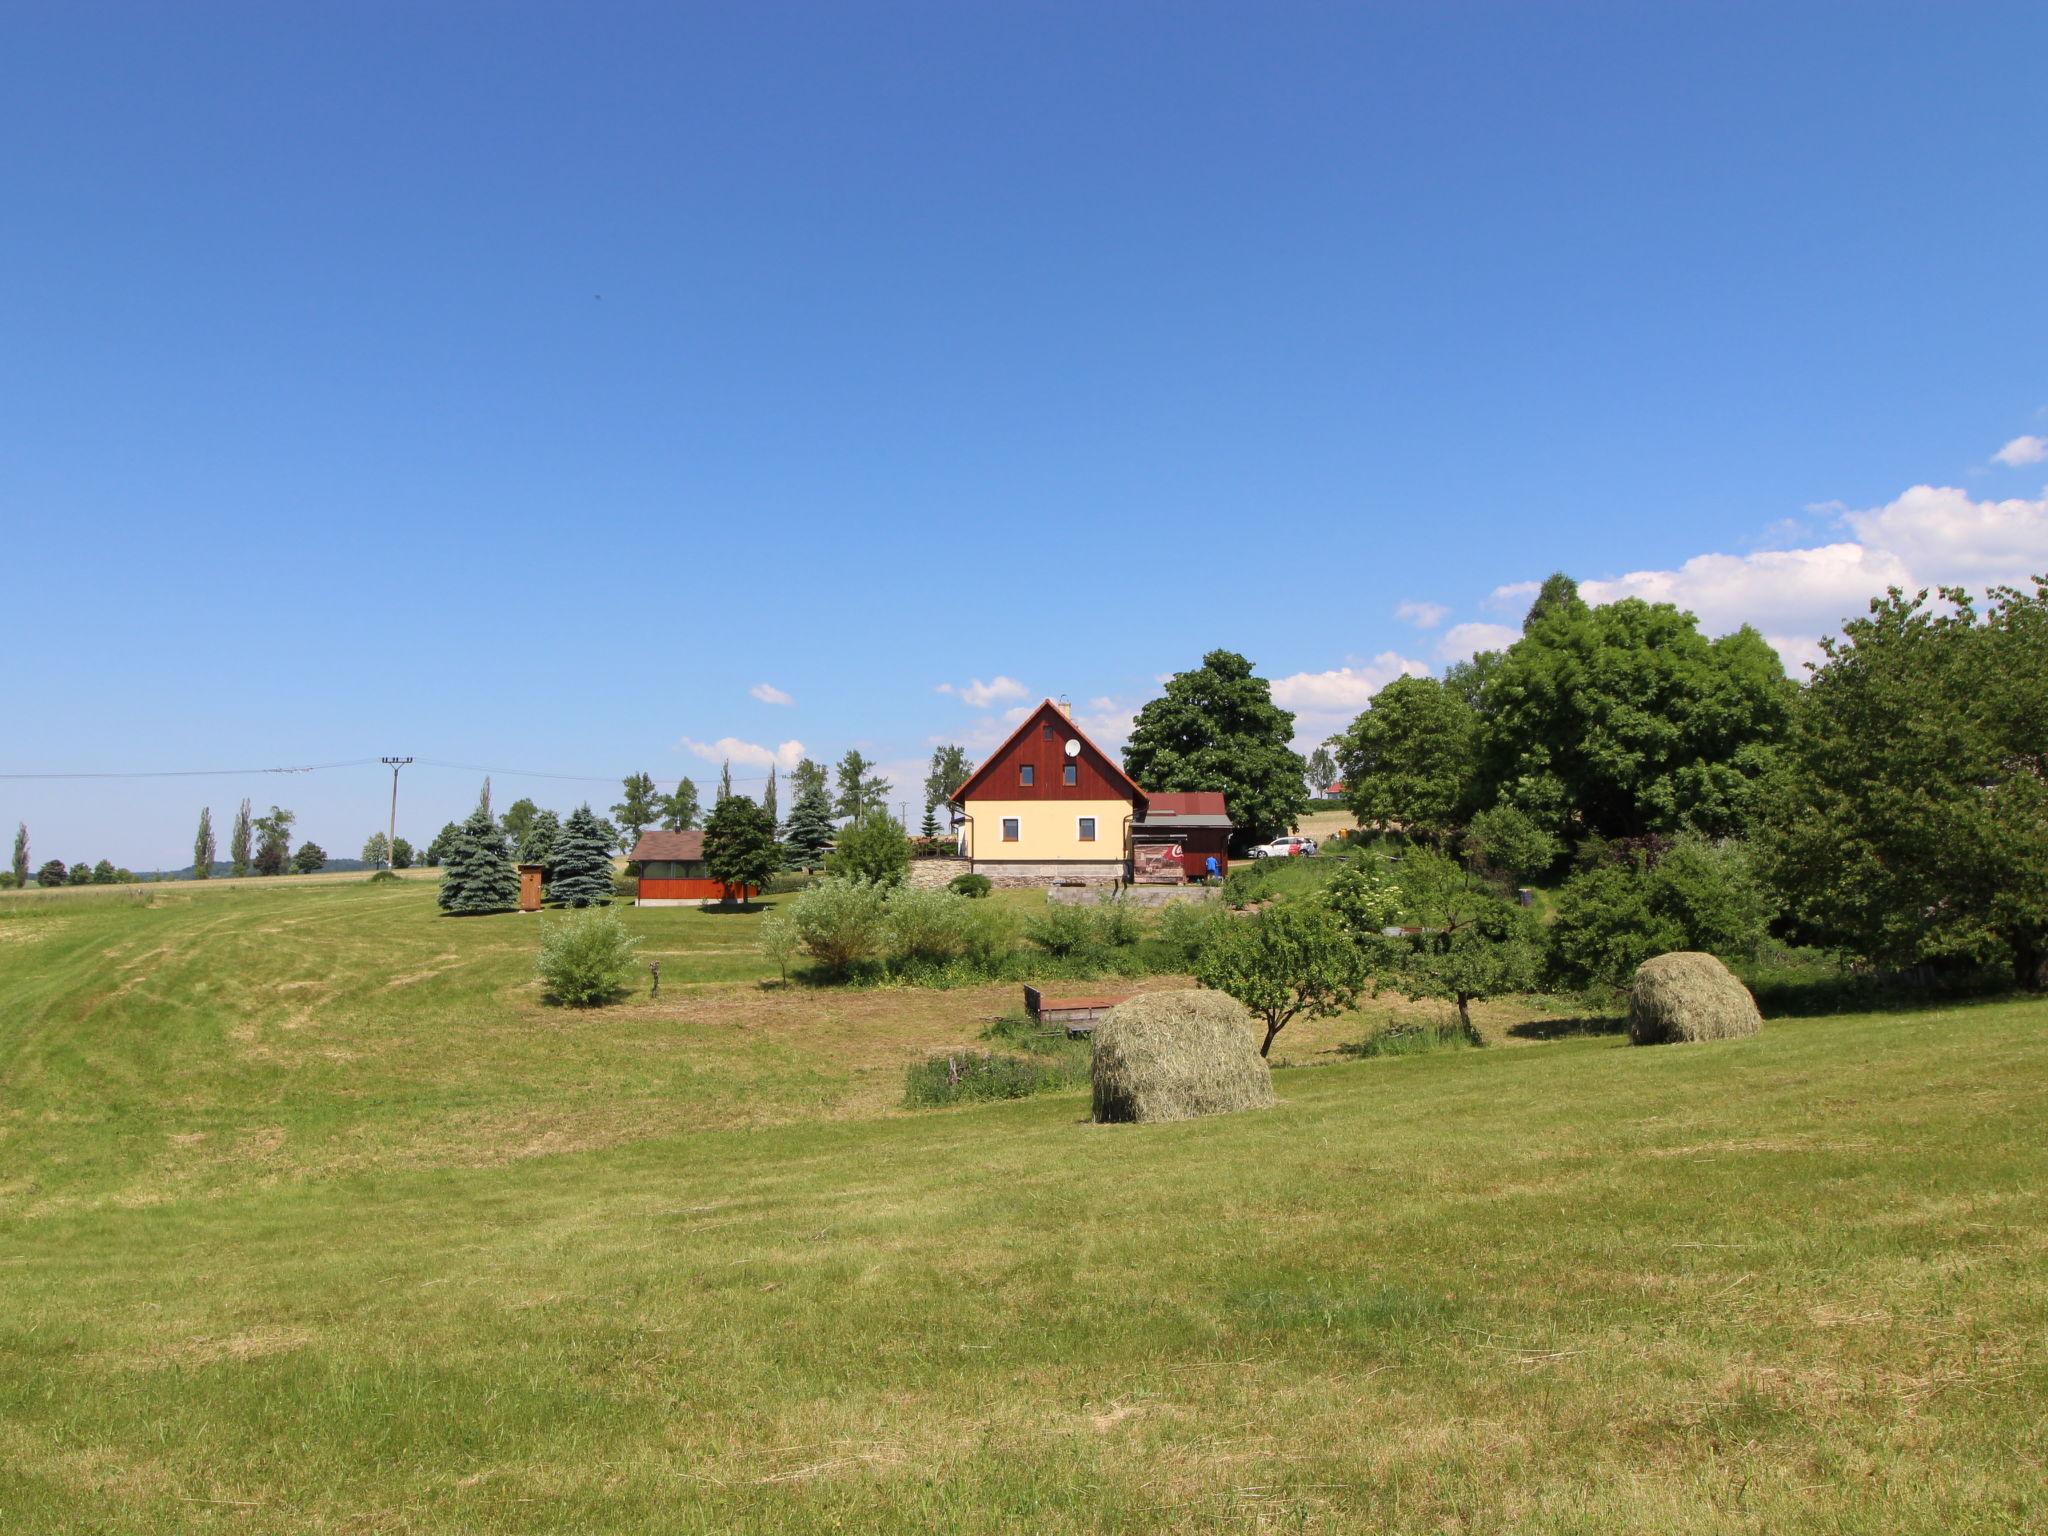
<point x="223" y="870"/>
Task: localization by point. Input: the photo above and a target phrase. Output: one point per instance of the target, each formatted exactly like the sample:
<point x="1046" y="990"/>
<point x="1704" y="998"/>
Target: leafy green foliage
<point x="274" y="841"/>
<point x="478" y="877"/>
<point x="1912" y="825"/>
<point x="1508" y="839"/>
<point x="53" y="873"/>
<point x="543" y="830"/>
<point x="1624" y="719"/>
<point x="950" y="768"/>
<point x="1217" y="727"/>
<point x="638" y="809"/>
<point x="579" y="863"/>
<point x="518" y="820"/>
<point x="1322" y="769"/>
<point x="401" y="854"/>
<point x="1292" y="958"/>
<point x="442" y="848"/>
<point x="862" y="791"/>
<point x="376" y="848"/>
<point x="1408" y="760"/>
<point x="310" y="859"/>
<point x="585" y="959"/>
<point x="971" y="885"/>
<point x="20" y="865"/>
<point x="679" y="810"/>
<point x="240" y="860"/>
<point x="871" y="849"/>
<point x="1185" y="928"/>
<point x="1697" y="895"/>
<point x="202" y="846"/>
<point x="1473" y="942"/>
<point x="1072" y="931"/>
<point x="972" y="1077"/>
<point x="739" y="845"/>
<point x="838" y="923"/>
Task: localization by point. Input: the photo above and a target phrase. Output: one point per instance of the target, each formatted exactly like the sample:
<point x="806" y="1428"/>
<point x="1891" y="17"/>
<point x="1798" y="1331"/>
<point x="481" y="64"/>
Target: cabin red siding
<point x="687" y="890"/>
<point x="1043" y="745"/>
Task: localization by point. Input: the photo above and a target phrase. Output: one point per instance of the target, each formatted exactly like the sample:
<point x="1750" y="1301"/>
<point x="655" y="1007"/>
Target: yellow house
<point x="1049" y="804"/>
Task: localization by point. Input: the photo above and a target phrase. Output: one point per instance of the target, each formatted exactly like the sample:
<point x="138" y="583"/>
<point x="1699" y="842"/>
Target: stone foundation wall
<point x="935" y="874"/>
<point x="1135" y="895"/>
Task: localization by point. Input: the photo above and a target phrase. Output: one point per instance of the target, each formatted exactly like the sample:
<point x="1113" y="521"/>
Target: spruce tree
<point x="538" y="846"/>
<point x="21" y="855"/>
<point x="580" y="865"/>
<point x="930" y="829"/>
<point x="809" y="832"/>
<point x="240" y="855"/>
<point x="202" y="845"/>
<point x="479" y="877"/>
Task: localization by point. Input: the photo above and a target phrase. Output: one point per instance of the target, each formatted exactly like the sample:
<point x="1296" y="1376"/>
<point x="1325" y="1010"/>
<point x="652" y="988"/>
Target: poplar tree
<point x="724" y="783"/>
<point x="479" y="877"/>
<point x="580" y="864"/>
<point x="239" y="840"/>
<point x="768" y="800"/>
<point x="202" y="845"/>
<point x="21" y="855"/>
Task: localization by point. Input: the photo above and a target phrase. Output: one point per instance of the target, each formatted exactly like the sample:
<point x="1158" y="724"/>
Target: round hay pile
<point x="1176" y="1055"/>
<point x="1688" y="996"/>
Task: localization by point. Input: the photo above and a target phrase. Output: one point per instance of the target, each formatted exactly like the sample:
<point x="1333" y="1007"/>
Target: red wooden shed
<point x="672" y="872"/>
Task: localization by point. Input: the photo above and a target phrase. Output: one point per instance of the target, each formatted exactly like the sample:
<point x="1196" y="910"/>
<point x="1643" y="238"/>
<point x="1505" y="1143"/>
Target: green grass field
<point x="314" y="1218"/>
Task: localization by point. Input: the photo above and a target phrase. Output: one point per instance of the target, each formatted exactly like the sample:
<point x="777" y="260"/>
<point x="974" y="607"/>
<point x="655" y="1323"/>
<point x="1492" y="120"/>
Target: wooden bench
<point x="1078" y="1014"/>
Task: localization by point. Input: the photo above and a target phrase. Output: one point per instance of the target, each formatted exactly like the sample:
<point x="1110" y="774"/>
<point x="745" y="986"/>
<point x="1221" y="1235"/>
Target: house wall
<point x="1047" y="830"/>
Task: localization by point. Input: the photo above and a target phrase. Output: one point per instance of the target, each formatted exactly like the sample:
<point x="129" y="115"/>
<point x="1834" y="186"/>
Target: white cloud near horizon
<point x="1929" y="536"/>
<point x="1461" y="642"/>
<point x="768" y="693"/>
<point x="731" y="749"/>
<point x="1421" y="615"/>
<point x="1325" y="702"/>
<point x="976" y="694"/>
<point x="2023" y="451"/>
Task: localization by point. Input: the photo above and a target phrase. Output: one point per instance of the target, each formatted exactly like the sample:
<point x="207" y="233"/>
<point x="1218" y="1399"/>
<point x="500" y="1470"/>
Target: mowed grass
<point x="415" y="1252"/>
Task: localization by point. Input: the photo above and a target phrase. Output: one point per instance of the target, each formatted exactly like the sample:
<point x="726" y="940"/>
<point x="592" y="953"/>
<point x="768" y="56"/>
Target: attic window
<point x="1045" y="731"/>
<point x="1069" y="775"/>
<point x="1024" y="774"/>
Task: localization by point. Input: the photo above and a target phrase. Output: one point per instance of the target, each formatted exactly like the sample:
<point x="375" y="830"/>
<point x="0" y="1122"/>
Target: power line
<point x="196" y="773"/>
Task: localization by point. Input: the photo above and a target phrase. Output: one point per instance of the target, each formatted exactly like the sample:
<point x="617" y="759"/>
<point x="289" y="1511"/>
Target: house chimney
<point x="1066" y="706"/>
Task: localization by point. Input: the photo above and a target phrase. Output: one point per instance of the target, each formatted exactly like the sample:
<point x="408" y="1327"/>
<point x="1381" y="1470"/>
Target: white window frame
<point x="1089" y="835"/>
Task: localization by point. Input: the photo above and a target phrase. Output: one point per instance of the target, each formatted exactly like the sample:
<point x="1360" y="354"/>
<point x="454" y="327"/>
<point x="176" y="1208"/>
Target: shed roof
<point x="1195" y="802"/>
<point x="668" y="845"/>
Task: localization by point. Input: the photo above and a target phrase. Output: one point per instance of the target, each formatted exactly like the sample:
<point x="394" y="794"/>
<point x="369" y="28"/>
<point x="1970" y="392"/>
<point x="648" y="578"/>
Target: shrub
<point x="383" y="877"/>
<point x="1246" y="882"/>
<point x="1508" y="839"/>
<point x="1185" y="928"/>
<point x="972" y="885"/>
<point x="584" y="959"/>
<point x="873" y="849"/>
<point x="1063" y="930"/>
<point x="1117" y="925"/>
<point x="1697" y="895"/>
<point x="926" y="927"/>
<point x="789" y="881"/>
<point x="1605" y="928"/>
<point x="840" y="924"/>
<point x="978" y="1076"/>
<point x="1415" y="1037"/>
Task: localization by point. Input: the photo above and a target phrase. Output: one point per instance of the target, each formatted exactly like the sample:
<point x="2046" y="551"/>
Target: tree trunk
<point x="1272" y="1029"/>
<point x="1465" y="1015"/>
<point x="2030" y="962"/>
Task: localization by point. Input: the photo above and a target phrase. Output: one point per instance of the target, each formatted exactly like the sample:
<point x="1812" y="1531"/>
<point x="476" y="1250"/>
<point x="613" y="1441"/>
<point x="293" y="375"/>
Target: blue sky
<point x="538" y="387"/>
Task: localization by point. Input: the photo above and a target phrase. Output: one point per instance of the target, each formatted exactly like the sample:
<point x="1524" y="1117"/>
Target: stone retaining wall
<point x="935" y="874"/>
<point x="1135" y="895"/>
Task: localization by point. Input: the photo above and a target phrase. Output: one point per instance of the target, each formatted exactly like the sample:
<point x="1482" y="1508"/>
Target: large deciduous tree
<point x="1624" y="720"/>
<point x="1407" y="761"/>
<point x="638" y="809"/>
<point x="274" y="841"/>
<point x="310" y="859"/>
<point x="1217" y="727"/>
<point x="862" y="791"/>
<point x="739" y="846"/>
<point x="478" y="877"/>
<point x="1911" y="824"/>
<point x="679" y="810"/>
<point x="517" y="818"/>
<point x="52" y="873"/>
<point x="950" y="768"/>
<point x="873" y="848"/>
<point x="579" y="863"/>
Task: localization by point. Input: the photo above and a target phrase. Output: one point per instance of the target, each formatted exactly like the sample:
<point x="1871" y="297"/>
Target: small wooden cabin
<point x="1178" y="835"/>
<point x="672" y="873"/>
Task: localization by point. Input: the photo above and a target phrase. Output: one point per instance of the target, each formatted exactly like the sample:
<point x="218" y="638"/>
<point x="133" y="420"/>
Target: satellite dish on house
<point x="1073" y="747"/>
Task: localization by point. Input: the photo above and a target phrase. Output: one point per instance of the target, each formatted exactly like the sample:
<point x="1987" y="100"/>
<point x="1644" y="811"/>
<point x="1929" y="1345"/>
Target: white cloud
<point x="752" y="754"/>
<point x="1516" y="594"/>
<point x="979" y="695"/>
<point x="1462" y="641"/>
<point x="1929" y="536"/>
<point x="2023" y="450"/>
<point x="1107" y="722"/>
<point x="768" y="693"/>
<point x="1346" y="689"/>
<point x="1421" y="615"/>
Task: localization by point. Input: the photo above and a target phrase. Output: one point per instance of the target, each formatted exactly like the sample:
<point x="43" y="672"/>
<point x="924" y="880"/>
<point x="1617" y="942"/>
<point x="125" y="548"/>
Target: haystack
<point x="1689" y="996"/>
<point x="1176" y="1055"/>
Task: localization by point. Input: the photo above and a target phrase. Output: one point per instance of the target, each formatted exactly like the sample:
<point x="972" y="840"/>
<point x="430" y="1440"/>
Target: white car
<point x="1285" y="847"/>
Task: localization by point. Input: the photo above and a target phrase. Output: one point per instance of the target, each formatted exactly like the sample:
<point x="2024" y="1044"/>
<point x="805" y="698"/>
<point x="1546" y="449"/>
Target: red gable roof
<point x="1112" y="770"/>
<point x="657" y="844"/>
<point x="1196" y="802"/>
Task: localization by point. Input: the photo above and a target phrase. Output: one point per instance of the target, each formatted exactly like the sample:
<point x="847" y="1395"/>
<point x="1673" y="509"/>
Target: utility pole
<point x="391" y="837"/>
